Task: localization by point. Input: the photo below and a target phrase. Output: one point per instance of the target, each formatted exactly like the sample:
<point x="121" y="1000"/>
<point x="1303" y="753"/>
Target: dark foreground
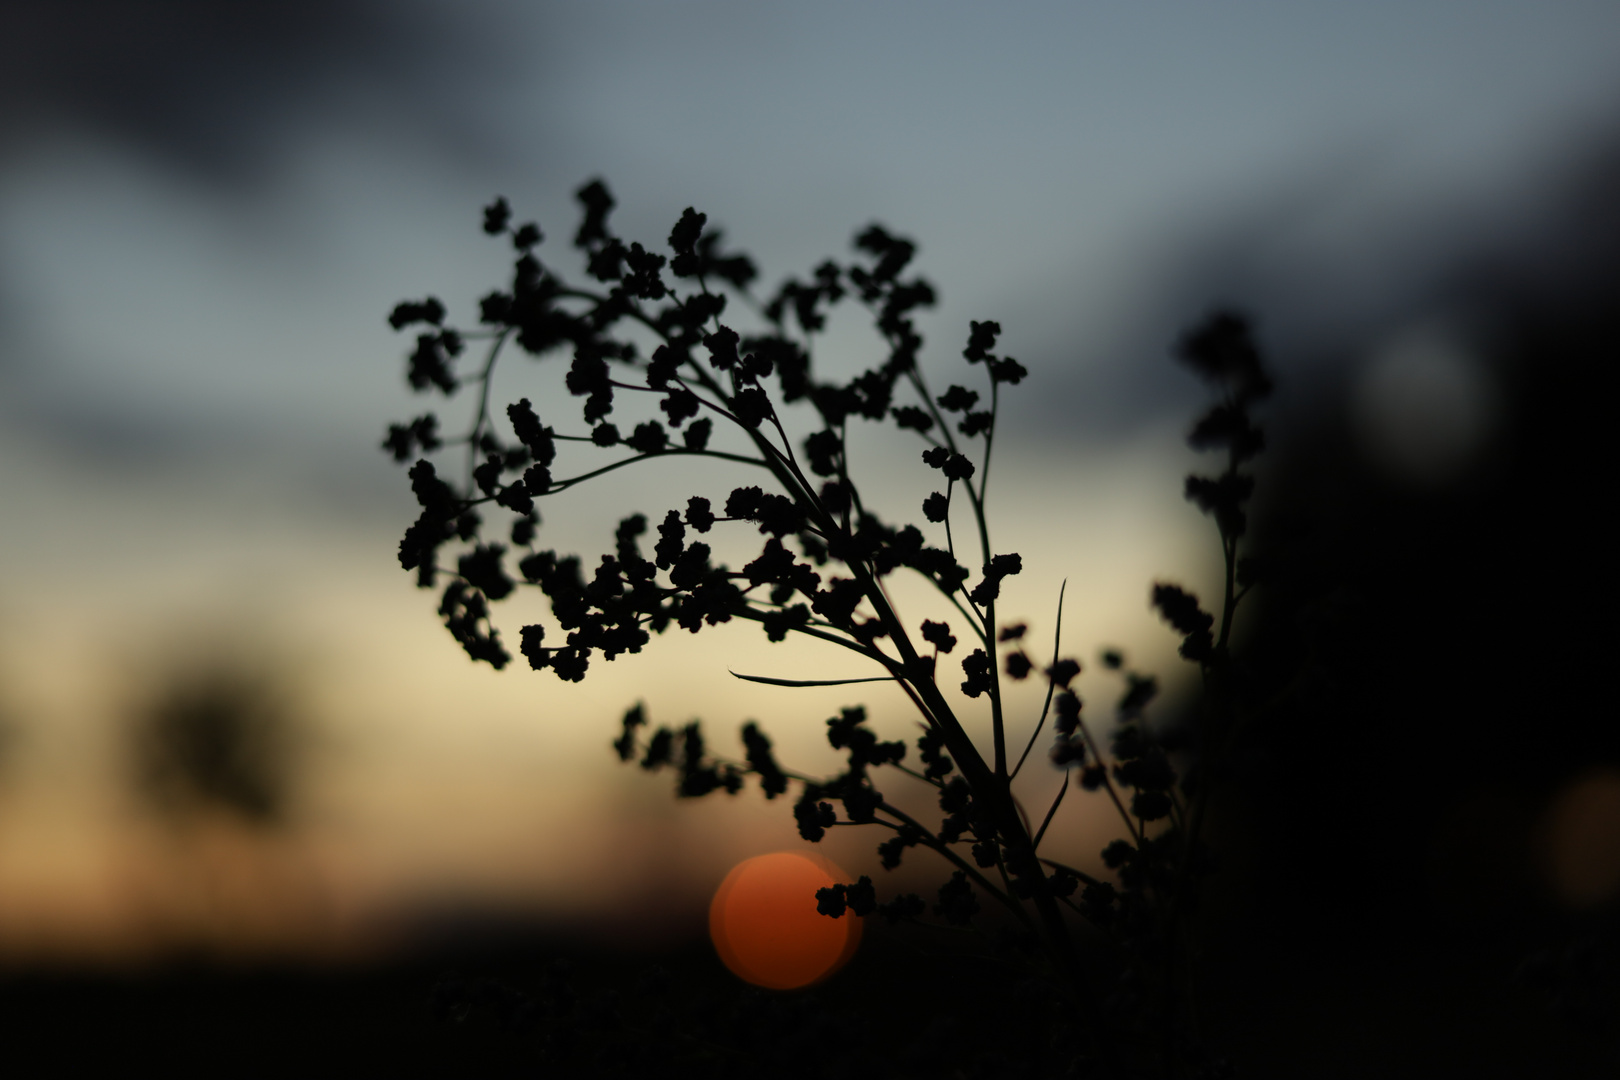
<point x="1298" y="1002"/>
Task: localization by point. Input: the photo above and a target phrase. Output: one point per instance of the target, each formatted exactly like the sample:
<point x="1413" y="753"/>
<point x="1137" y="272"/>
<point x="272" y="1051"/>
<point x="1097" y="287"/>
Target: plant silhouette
<point x="658" y="368"/>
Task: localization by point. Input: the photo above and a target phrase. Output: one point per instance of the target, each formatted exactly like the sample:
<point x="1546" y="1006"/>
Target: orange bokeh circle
<point x="765" y="926"/>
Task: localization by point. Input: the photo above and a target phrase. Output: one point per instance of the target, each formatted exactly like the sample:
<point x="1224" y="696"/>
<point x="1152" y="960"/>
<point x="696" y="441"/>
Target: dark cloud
<point x="217" y="89"/>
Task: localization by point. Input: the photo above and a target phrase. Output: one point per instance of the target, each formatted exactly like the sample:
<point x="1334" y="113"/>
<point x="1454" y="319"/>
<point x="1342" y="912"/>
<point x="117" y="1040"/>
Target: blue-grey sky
<point x="202" y="214"/>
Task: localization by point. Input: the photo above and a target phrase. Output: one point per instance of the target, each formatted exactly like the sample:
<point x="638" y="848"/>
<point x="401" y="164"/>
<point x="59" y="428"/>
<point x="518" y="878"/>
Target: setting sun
<point x="765" y="926"/>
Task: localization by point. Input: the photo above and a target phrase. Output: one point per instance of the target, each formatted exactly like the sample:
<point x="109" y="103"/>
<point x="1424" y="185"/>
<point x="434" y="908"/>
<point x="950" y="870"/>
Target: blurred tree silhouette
<point x="9" y="736"/>
<point x="219" y="738"/>
<point x="217" y="752"/>
<point x="1449" y="645"/>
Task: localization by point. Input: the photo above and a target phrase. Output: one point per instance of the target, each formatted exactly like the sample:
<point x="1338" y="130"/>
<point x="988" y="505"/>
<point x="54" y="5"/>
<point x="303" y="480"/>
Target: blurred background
<point x="231" y="732"/>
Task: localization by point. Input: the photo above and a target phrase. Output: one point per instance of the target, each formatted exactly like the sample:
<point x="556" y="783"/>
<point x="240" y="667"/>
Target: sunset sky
<point x="205" y="218"/>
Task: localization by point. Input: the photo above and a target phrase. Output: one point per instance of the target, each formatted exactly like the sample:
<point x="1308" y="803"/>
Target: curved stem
<point x="1096" y="755"/>
<point x="1062" y="791"/>
<point x="564" y="485"/>
<point x="483" y="403"/>
<point x="1051" y="684"/>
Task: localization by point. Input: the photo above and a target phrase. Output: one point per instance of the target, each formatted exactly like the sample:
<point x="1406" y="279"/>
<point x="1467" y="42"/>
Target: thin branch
<point x="1051" y="683"/>
<point x="1062" y="791"/>
<point x="564" y="485"/>
<point x="1081" y="874"/>
<point x="808" y="682"/>
<point x="933" y="842"/>
<point x="1096" y="755"/>
<point x="483" y="403"/>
